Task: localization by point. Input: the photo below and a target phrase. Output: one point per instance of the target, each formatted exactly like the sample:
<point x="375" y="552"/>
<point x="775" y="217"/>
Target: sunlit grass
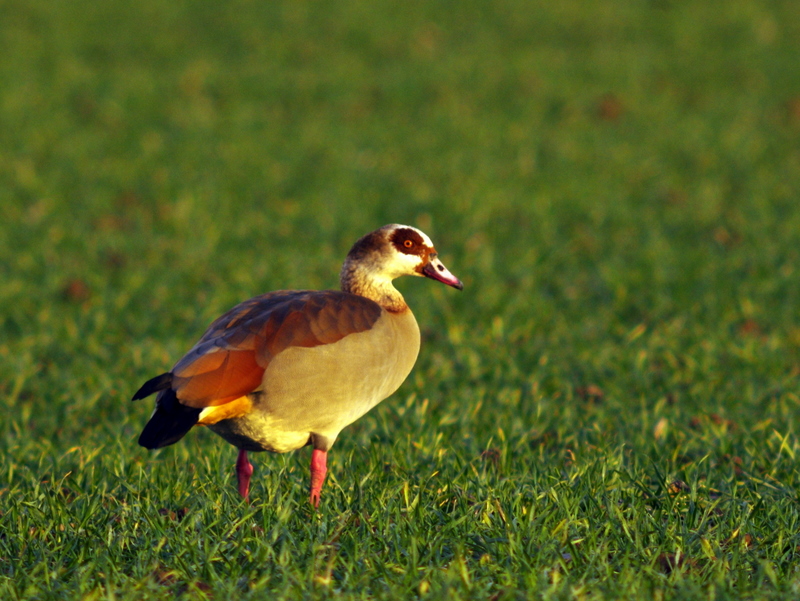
<point x="607" y="411"/>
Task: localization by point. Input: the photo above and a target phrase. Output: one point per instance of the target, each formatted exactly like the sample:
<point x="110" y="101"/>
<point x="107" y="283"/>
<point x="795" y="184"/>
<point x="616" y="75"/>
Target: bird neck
<point x="360" y="280"/>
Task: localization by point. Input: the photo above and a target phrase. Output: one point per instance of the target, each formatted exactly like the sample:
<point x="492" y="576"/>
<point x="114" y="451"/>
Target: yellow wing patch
<point x="237" y="408"/>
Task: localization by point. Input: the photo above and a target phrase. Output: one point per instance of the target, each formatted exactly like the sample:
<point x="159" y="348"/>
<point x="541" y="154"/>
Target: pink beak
<point x="436" y="270"/>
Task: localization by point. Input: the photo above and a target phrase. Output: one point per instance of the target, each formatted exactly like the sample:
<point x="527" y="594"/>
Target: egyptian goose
<point x="292" y="368"/>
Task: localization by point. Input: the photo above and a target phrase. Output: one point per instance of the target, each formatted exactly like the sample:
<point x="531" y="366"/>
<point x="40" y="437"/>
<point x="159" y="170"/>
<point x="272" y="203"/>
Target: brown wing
<point x="228" y="362"/>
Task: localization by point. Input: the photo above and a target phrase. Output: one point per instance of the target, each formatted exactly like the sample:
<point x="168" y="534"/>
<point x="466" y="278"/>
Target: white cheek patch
<point x="399" y="264"/>
<point x="407" y="264"/>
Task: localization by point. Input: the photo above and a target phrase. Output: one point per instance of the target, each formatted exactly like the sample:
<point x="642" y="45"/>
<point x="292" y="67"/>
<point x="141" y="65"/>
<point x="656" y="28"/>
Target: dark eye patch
<point x="407" y="241"/>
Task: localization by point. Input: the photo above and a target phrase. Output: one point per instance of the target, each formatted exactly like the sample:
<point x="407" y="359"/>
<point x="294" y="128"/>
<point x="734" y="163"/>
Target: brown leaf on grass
<point x="76" y="291"/>
<point x="427" y="40"/>
<point x="114" y="260"/>
<point x="542" y="439"/>
<point x="746" y="541"/>
<point x="734" y="461"/>
<point x="676" y="197"/>
<point x="725" y="238"/>
<point x="164" y="577"/>
<point x="175" y="516"/>
<point x="68" y="494"/>
<point x="750" y="327"/>
<point x="722" y="421"/>
<point x="609" y="107"/>
<point x="491" y="456"/>
<point x="200" y="587"/>
<point x="84" y="104"/>
<point x="168" y="578"/>
<point x="699" y="421"/>
<point x="128" y="200"/>
<point x="677" y="486"/>
<point x="591" y="393"/>
<point x="669" y="562"/>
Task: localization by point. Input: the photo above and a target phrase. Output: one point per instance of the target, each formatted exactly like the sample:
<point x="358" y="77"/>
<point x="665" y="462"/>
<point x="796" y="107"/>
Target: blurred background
<point x="600" y="174"/>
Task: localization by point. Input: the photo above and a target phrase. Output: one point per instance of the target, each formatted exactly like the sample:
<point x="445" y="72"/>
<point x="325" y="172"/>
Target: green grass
<point x="610" y="408"/>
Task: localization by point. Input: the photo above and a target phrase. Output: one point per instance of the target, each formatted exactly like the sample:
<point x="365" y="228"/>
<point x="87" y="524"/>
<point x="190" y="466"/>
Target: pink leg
<point x="243" y="472"/>
<point x="318" y="471"/>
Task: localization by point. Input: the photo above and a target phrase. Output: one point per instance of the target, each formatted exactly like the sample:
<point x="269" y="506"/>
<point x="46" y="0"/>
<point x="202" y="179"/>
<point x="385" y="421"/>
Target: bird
<point x="292" y="368"/>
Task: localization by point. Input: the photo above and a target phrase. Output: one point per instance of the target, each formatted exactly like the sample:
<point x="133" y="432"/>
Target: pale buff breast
<point x="315" y="392"/>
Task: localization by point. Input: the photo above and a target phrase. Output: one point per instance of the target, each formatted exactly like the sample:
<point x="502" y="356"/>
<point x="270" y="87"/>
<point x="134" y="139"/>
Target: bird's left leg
<point x="244" y="470"/>
<point x="318" y="471"/>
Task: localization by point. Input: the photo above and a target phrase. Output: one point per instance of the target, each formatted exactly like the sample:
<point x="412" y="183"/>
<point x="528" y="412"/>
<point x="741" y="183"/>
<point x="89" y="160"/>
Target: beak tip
<point x="441" y="274"/>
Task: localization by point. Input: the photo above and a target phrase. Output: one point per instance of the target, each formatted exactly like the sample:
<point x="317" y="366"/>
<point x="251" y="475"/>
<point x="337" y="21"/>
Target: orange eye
<point x="408" y="244"/>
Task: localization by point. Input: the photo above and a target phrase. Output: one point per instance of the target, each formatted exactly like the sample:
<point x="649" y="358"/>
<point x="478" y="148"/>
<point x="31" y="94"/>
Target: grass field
<point x="608" y="411"/>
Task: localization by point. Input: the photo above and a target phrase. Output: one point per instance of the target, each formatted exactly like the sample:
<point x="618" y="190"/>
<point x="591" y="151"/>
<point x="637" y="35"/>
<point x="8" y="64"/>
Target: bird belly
<point x="260" y="432"/>
<point x="311" y="394"/>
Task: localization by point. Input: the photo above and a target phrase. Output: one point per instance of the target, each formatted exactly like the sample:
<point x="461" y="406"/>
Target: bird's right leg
<point x="244" y="470"/>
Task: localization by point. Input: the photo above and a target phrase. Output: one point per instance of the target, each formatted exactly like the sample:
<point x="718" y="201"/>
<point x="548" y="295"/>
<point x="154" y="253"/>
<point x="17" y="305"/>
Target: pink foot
<point x="318" y="471"/>
<point x="243" y="472"/>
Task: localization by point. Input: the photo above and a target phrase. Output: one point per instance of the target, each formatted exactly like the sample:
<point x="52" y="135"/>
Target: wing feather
<point x="229" y="361"/>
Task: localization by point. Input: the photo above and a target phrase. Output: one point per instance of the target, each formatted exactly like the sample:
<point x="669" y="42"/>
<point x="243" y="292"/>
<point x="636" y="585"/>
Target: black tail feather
<point x="152" y="385"/>
<point x="169" y="423"/>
